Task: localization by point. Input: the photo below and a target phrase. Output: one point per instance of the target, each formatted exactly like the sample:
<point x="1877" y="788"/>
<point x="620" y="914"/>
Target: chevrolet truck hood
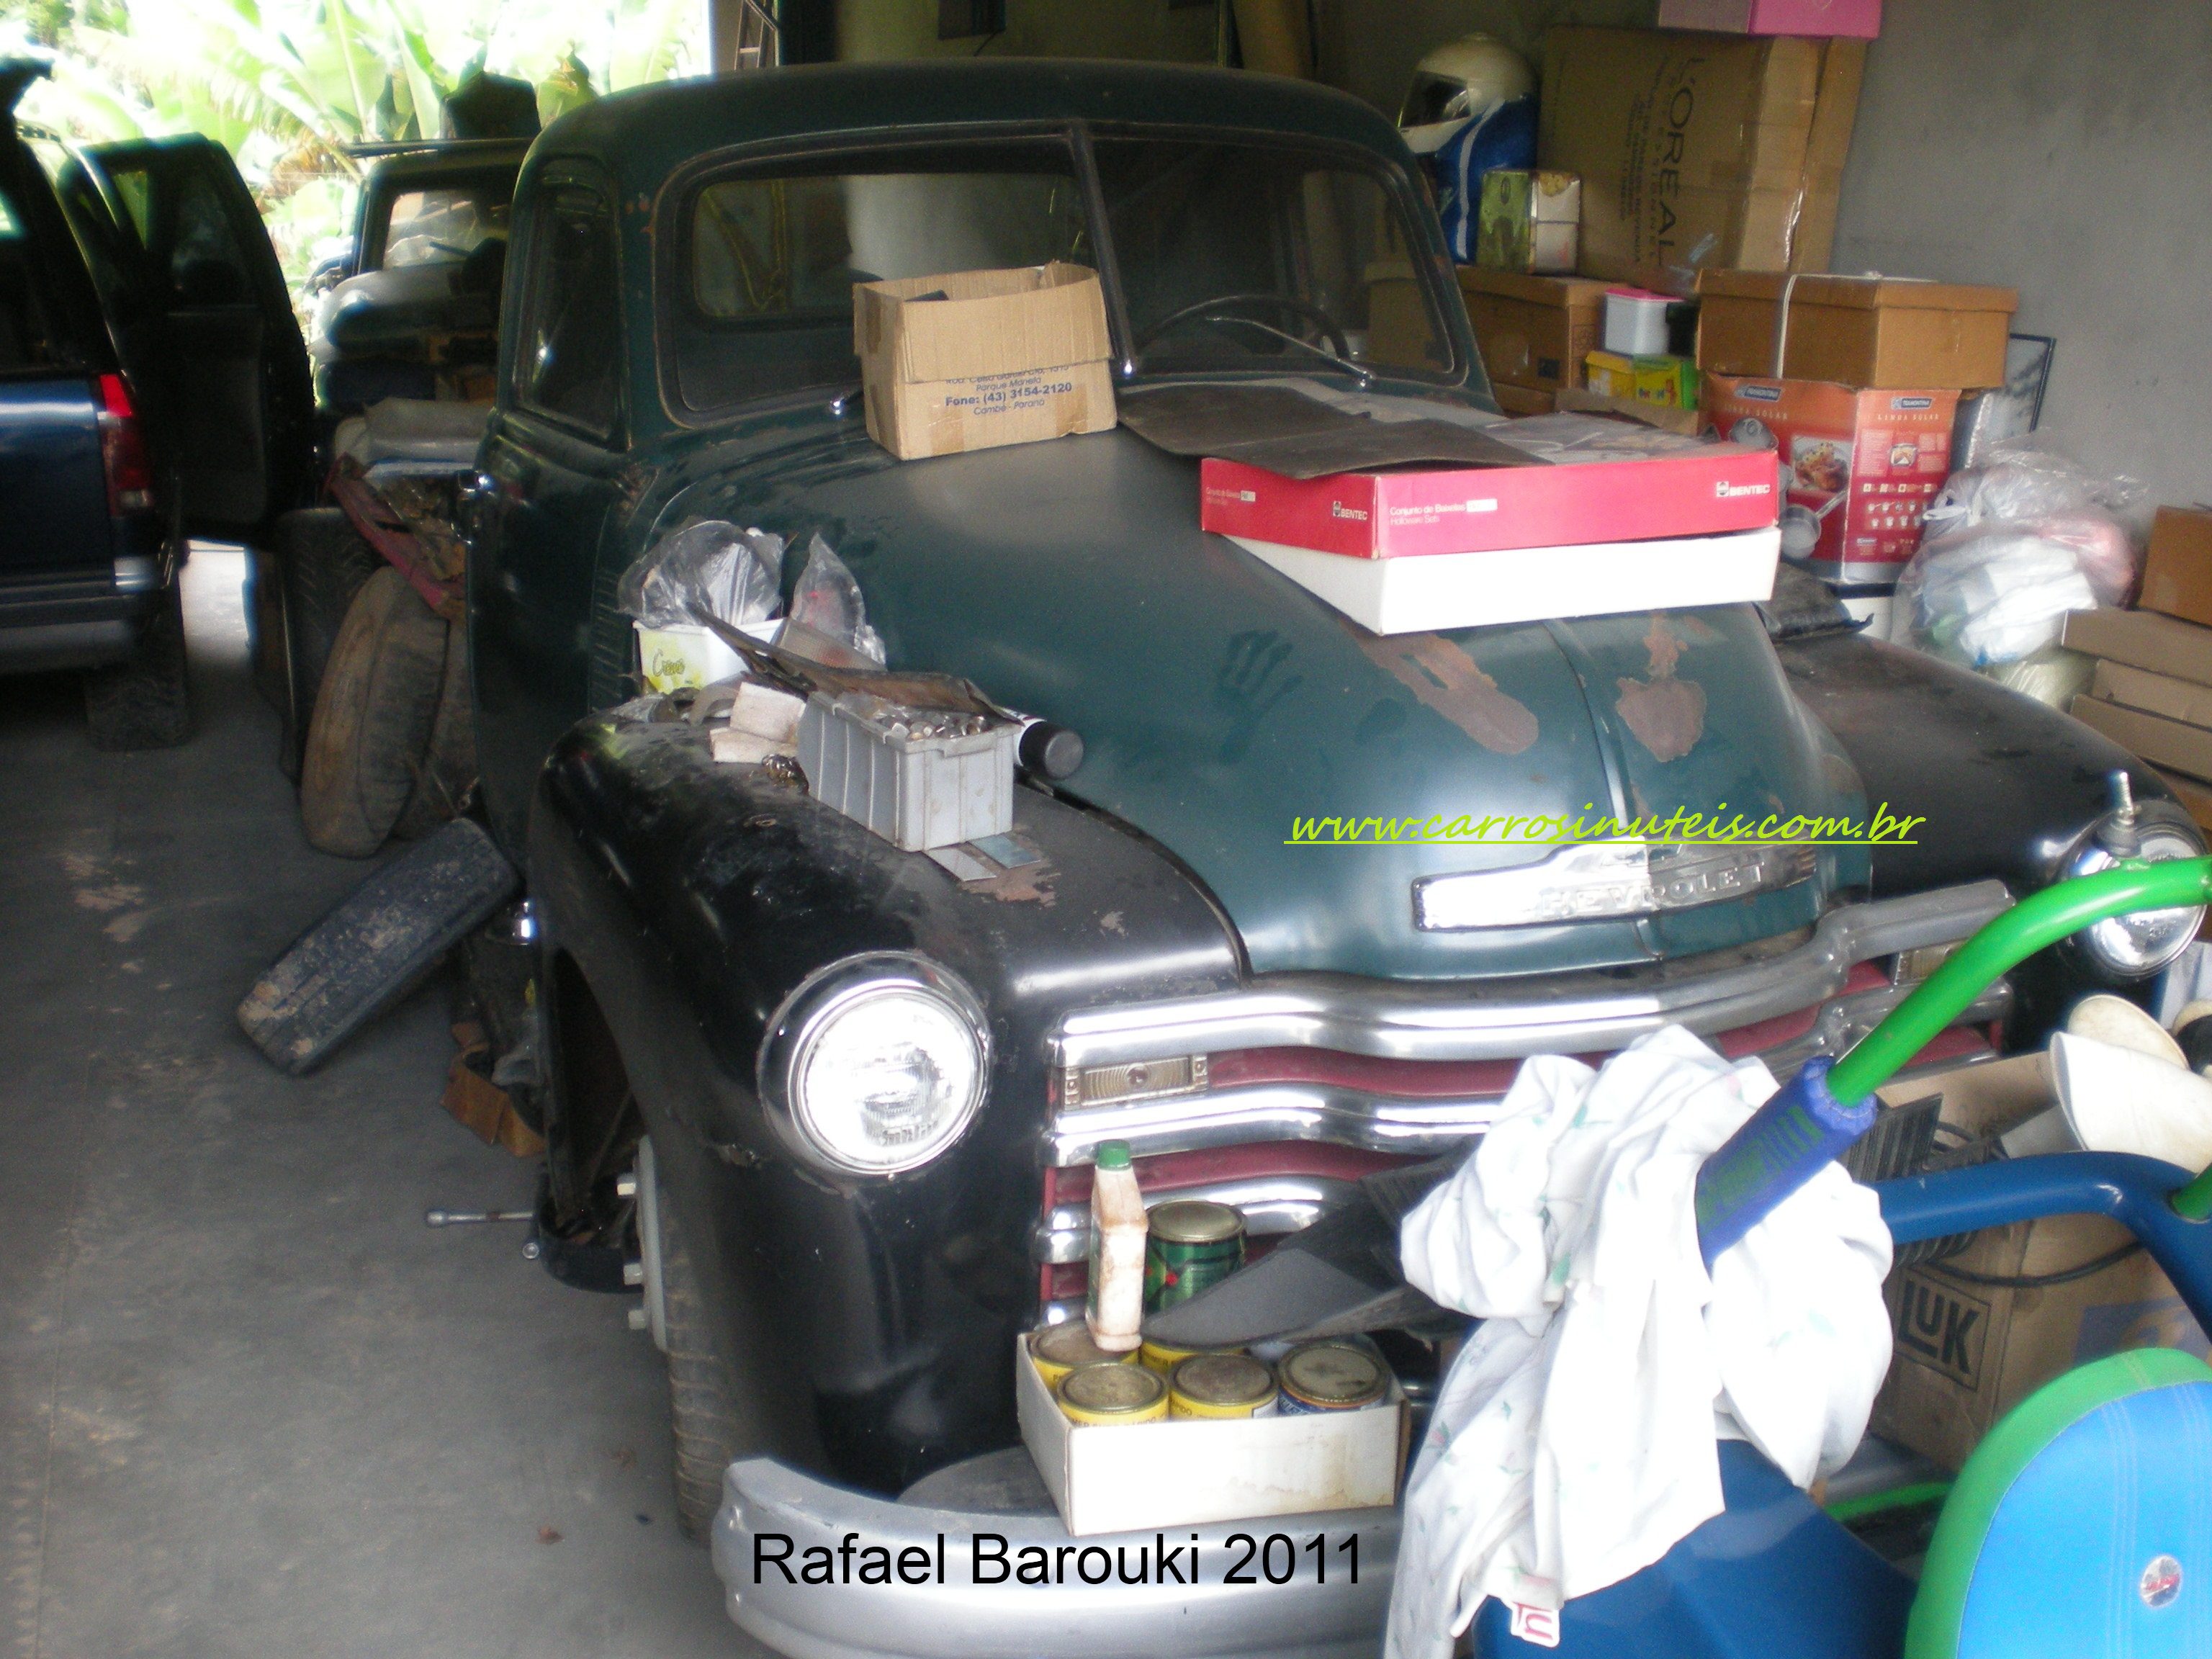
<point x="1220" y="704"/>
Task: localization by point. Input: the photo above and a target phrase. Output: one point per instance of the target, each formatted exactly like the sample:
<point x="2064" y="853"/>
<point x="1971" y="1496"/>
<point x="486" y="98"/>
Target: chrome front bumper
<point x="960" y="1618"/>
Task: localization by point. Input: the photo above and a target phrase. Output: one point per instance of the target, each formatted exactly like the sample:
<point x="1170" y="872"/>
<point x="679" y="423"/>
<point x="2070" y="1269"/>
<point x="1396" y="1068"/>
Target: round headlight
<point x="876" y="1064"/>
<point x="2136" y="946"/>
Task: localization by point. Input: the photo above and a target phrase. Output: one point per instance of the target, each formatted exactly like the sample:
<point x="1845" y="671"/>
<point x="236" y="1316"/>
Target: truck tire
<point x="373" y="718"/>
<point x="265" y="627"/>
<point x="448" y="768"/>
<point x="321" y="564"/>
<point x="379" y="941"/>
<point x="143" y="702"/>
<point x="702" y="1397"/>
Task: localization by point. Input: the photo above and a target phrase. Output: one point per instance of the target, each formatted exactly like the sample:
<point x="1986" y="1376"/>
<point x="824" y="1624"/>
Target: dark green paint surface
<point x="1218" y="700"/>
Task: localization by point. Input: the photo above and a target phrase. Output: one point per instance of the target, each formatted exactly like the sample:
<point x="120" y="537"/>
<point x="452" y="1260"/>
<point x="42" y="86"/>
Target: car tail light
<point x="123" y="449"/>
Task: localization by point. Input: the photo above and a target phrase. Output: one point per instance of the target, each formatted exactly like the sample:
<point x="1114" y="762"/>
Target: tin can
<point x="1116" y="1392"/>
<point x="1192" y="1245"/>
<point x="1059" y="1349"/>
<point x="1215" y="1385"/>
<point x="1163" y="1359"/>
<point x="1331" y="1377"/>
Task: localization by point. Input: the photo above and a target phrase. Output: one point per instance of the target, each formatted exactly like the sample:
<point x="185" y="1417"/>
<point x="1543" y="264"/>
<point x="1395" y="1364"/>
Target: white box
<point x="1186" y="1472"/>
<point x="1425" y="592"/>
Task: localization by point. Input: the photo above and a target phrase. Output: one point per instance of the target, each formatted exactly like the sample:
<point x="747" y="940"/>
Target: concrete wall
<point x="2066" y="150"/>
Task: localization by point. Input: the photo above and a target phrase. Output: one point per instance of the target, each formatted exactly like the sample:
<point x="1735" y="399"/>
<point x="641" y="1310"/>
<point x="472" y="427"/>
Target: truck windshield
<point x="1234" y="255"/>
<point x="773" y="257"/>
<point x="1242" y="255"/>
<point x="447" y="224"/>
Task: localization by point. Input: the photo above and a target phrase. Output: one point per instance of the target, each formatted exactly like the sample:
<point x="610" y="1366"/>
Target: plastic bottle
<point x="1116" y="1310"/>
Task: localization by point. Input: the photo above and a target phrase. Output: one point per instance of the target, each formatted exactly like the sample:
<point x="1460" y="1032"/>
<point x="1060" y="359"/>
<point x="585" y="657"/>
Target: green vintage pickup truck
<point x="843" y="1101"/>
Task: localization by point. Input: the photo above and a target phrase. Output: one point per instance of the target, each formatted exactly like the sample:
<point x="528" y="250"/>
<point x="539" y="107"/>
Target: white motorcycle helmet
<point x="1460" y="81"/>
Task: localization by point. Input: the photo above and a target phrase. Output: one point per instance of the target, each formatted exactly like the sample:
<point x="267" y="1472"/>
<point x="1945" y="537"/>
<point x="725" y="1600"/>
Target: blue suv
<point x="153" y="388"/>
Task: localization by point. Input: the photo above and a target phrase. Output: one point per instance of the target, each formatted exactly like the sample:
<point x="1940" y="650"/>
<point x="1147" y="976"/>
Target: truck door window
<point x="765" y="298"/>
<point x="569" y="363"/>
<point x="26" y="340"/>
<point x="207" y="267"/>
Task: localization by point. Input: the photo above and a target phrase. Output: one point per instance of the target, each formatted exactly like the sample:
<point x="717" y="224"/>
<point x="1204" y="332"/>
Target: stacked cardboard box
<point x="2152" y="692"/>
<point x="1699" y="151"/>
<point x="1854" y="383"/>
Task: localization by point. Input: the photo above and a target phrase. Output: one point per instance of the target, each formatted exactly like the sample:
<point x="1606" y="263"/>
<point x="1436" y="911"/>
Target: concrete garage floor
<point x="249" y="1403"/>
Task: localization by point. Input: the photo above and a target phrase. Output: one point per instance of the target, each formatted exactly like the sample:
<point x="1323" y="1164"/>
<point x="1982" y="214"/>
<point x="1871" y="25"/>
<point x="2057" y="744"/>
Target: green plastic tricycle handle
<point x="2040" y="920"/>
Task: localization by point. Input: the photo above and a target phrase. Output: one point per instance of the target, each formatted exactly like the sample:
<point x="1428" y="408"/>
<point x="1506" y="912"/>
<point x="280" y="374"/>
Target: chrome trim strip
<point x="1274" y="1111"/>
<point x="1425" y="1128"/>
<point x="1574" y="1013"/>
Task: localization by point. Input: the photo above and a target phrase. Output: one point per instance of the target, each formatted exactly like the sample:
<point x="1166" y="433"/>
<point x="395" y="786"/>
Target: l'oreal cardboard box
<point x="1967" y="1351"/>
<point x="2178" y="572"/>
<point x="1859" y="18"/>
<point x="1698" y="151"/>
<point x="1186" y="1472"/>
<point x="1854" y="330"/>
<point x="974" y="359"/>
<point x="1588" y="480"/>
<point x="1858" y="468"/>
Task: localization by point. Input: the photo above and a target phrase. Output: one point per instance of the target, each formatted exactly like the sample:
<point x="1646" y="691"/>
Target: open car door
<point x="205" y="327"/>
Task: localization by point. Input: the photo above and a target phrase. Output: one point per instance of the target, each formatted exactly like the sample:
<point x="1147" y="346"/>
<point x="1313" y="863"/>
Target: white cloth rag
<point x="1574" y="1441"/>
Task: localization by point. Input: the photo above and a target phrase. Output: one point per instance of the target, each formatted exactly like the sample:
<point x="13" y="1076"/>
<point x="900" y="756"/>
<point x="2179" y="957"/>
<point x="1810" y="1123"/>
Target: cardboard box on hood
<point x="972" y="360"/>
<point x="1700" y="150"/>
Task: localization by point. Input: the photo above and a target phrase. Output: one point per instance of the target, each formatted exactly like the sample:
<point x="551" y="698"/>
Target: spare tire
<point x="321" y="563"/>
<point x="448" y="771"/>
<point x="373" y="718"/>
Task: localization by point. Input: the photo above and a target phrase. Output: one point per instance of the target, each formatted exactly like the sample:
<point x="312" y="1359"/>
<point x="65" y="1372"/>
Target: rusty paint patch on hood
<point x="1666" y="714"/>
<point x="1448" y="680"/>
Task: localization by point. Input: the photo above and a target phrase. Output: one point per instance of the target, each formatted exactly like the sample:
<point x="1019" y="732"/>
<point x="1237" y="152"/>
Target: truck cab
<point x="1154" y="958"/>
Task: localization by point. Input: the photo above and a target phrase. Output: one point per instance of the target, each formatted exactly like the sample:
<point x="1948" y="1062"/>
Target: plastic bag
<point x="2009" y="549"/>
<point x="709" y="568"/>
<point x="827" y="608"/>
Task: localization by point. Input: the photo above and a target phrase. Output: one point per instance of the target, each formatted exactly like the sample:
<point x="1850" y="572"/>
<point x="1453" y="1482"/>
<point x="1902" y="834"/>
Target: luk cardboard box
<point x="974" y="359"/>
<point x="1859" y="18"/>
<point x="1699" y="151"/>
<point x="1967" y="1353"/>
<point x="1854" y="330"/>
<point x="2178" y="573"/>
<point x="1858" y="468"/>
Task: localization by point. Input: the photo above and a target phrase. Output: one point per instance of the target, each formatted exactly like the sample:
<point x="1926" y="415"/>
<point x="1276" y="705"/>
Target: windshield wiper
<point x="1366" y="376"/>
